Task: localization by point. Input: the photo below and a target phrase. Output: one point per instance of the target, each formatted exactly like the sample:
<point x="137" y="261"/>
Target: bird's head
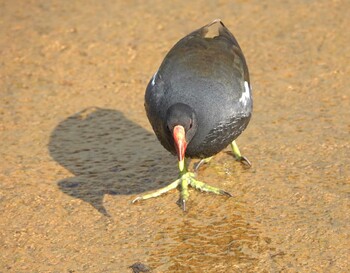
<point x="182" y="124"/>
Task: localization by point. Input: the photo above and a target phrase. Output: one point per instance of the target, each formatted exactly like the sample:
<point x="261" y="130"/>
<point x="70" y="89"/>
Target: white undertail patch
<point x="213" y="29"/>
<point x="246" y="94"/>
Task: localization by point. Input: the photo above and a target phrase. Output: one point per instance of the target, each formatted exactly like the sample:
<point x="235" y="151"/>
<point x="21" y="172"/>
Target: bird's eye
<point x="191" y="124"/>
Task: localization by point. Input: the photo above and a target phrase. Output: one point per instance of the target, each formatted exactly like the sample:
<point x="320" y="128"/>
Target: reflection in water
<point x="213" y="238"/>
<point x="108" y="154"/>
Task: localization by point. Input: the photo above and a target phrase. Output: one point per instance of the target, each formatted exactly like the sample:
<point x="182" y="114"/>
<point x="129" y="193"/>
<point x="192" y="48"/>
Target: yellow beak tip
<point x="181" y="165"/>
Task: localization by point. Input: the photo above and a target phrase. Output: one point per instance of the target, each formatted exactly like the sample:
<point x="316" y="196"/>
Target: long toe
<point x="159" y="192"/>
<point x="199" y="185"/>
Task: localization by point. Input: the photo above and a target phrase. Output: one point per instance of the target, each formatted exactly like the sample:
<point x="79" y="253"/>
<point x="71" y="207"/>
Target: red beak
<point x="180" y="144"/>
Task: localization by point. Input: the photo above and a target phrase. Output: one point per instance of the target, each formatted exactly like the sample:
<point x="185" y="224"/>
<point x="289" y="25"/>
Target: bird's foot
<point x="245" y="161"/>
<point x="186" y="179"/>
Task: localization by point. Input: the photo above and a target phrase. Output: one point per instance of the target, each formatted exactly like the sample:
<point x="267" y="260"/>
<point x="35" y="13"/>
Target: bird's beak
<point x="180" y="144"/>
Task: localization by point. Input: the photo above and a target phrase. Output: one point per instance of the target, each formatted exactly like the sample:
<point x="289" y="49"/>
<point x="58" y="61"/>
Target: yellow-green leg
<point x="186" y="178"/>
<point x="238" y="155"/>
<point x="245" y="161"/>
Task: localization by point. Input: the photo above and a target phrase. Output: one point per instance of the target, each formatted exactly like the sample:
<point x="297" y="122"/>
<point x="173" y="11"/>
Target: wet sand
<point x="76" y="146"/>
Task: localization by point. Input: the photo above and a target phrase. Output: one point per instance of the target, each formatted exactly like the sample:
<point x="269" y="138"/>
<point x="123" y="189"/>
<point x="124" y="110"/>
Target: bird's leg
<point x="186" y="178"/>
<point x="238" y="155"/>
<point x="245" y="161"/>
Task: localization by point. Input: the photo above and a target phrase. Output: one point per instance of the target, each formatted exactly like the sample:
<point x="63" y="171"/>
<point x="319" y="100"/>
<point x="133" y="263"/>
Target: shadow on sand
<point x="108" y="154"/>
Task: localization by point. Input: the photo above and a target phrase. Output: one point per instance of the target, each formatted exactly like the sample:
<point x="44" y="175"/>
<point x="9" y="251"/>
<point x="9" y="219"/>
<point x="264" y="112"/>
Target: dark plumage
<point x="199" y="101"/>
<point x="206" y="76"/>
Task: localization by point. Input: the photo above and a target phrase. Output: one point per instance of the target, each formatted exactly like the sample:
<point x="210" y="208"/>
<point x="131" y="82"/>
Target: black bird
<point x="200" y="101"/>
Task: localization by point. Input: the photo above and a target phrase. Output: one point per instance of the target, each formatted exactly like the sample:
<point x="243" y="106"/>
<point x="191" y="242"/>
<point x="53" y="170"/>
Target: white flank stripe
<point x="154" y="79"/>
<point x="246" y="94"/>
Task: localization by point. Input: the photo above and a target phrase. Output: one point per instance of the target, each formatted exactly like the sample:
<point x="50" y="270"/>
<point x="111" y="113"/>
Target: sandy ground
<point x="76" y="146"/>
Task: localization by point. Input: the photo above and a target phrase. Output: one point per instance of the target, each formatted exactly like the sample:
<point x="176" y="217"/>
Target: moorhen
<point x="200" y="101"/>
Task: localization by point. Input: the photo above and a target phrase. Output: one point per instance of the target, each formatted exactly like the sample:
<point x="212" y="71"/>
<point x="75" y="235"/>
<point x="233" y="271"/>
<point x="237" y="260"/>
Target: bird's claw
<point x="183" y="204"/>
<point x="226" y="193"/>
<point x="136" y="199"/>
<point x="197" y="165"/>
<point x="201" y="162"/>
<point x="245" y="161"/>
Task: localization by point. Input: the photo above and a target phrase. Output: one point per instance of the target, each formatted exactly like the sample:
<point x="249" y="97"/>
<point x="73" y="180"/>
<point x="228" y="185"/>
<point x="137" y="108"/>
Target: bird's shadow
<point x="108" y="154"/>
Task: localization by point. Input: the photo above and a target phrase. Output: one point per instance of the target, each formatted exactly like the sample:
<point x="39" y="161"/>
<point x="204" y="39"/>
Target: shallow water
<point x="76" y="146"/>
